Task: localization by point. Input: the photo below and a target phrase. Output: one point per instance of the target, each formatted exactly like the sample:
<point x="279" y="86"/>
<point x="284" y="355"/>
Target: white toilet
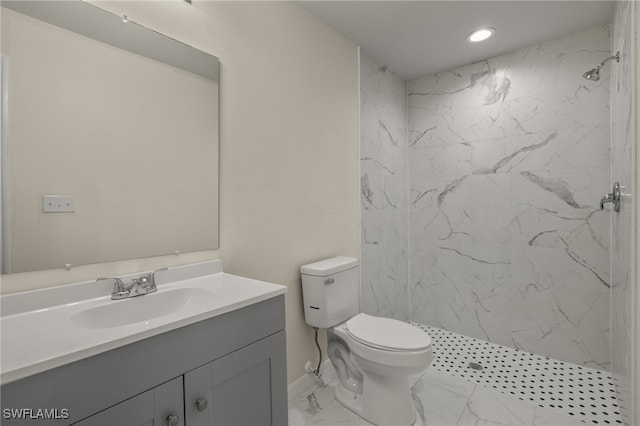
<point x="375" y="358"/>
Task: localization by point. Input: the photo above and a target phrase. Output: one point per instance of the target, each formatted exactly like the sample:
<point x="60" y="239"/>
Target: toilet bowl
<point x="377" y="359"/>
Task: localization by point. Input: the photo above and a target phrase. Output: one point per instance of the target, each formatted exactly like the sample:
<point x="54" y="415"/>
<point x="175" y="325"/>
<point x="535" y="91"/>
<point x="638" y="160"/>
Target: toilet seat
<point x="387" y="334"/>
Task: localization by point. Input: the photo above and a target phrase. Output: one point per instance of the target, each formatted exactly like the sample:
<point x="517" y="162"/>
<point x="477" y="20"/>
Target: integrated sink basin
<point x="47" y="328"/>
<point x="118" y="313"/>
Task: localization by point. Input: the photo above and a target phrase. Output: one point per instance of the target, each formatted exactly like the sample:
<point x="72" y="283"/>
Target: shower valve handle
<point x="612" y="197"/>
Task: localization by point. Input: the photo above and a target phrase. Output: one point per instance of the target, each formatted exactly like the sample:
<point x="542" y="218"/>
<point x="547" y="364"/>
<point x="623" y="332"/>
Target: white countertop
<point x="45" y="337"/>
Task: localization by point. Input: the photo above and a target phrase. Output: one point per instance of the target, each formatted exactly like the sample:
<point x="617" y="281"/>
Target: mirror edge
<point x="94" y="22"/>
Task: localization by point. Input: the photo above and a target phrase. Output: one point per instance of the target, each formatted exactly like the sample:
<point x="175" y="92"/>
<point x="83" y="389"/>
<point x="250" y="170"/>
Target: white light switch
<point x="58" y="204"/>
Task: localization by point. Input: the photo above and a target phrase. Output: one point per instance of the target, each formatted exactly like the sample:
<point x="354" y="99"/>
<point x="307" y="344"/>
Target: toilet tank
<point x="330" y="291"/>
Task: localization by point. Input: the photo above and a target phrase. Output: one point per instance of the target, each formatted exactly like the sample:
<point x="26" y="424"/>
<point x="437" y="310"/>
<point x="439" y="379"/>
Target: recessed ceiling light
<point x="481" y="34"/>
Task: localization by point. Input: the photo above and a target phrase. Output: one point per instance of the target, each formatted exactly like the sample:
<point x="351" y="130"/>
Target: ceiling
<point x="418" y="38"/>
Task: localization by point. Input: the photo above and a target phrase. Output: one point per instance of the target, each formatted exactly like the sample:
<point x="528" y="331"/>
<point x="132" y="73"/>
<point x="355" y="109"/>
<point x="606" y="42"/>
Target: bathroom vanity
<point x="216" y="358"/>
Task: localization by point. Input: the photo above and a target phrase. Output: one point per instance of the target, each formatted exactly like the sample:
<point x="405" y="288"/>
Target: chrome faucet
<point x="139" y="286"/>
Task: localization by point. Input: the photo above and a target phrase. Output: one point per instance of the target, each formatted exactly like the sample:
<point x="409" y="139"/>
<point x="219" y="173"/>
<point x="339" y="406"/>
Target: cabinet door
<point x="151" y="408"/>
<point x="244" y="388"/>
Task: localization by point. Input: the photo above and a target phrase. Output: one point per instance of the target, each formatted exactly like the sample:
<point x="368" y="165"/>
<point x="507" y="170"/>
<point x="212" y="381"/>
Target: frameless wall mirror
<point x="110" y="139"/>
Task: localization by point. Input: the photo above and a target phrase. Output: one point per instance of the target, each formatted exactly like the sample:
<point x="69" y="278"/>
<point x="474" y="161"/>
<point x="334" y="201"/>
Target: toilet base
<point x="384" y="400"/>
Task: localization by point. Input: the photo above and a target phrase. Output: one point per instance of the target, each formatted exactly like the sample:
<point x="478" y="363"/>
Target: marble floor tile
<point x="519" y="391"/>
<point x="438" y="404"/>
<point x="440" y="399"/>
<point x="334" y="414"/>
<point x="437" y="378"/>
<point x="487" y="407"/>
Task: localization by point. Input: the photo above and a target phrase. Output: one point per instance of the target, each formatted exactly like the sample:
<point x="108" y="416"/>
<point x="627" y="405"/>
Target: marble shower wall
<point x="508" y="159"/>
<point x="383" y="163"/>
<point x="622" y="137"/>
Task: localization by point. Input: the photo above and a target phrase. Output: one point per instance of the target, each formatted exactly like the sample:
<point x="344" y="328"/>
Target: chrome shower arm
<point x="616" y="57"/>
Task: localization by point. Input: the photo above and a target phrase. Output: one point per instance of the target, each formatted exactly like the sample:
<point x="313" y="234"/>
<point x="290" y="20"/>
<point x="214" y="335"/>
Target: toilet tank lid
<point x="331" y="266"/>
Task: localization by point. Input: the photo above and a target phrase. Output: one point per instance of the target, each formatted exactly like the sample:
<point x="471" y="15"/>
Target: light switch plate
<point x="58" y="203"/>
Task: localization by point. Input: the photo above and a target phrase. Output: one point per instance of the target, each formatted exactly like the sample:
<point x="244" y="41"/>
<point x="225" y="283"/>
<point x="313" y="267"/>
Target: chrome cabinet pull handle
<point x="173" y="420"/>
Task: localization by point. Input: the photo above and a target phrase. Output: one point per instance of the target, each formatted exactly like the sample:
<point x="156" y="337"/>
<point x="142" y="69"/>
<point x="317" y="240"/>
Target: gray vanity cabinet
<point x="236" y="362"/>
<point x="239" y="389"/>
<point x="161" y="405"/>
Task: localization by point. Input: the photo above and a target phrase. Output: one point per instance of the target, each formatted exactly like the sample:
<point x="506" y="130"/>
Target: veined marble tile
<point x="555" y="267"/>
<point x="383" y="147"/>
<point x="490" y="408"/>
<point x="576" y="188"/>
<point x="437" y="404"/>
<point x="465" y="224"/>
<point x="457" y="304"/>
<point x="437" y="379"/>
<point x="384" y="213"/>
<point x="576" y="229"/>
<point x="380" y="192"/>
<point x="444" y="122"/>
<point x="476" y="190"/>
<point x="507" y="161"/>
<point x="440" y="161"/>
<point x="424" y="193"/>
<point x="569" y="148"/>
<point x="528" y="91"/>
<point x="475" y="261"/>
<point x="333" y="414"/>
<point x="570" y="324"/>
<point x="562" y="149"/>
<point x="567" y="343"/>
<point x="382" y="293"/>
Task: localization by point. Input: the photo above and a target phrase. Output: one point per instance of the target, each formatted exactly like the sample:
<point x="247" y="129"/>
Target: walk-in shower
<point x="594" y="74"/>
<point x="487" y="223"/>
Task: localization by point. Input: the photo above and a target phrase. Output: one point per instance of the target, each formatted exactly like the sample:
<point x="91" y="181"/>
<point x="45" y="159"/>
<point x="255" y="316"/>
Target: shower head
<point x="594" y="74"/>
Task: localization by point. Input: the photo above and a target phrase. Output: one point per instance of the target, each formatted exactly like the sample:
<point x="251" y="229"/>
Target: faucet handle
<point x="152" y="275"/>
<point x="120" y="291"/>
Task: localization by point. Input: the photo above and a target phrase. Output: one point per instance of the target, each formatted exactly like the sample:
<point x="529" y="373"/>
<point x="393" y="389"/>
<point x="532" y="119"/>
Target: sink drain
<point x="475" y="366"/>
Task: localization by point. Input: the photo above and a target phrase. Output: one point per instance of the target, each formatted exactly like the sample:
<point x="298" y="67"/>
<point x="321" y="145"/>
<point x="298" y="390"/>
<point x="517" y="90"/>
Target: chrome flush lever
<point x="612" y="197"/>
